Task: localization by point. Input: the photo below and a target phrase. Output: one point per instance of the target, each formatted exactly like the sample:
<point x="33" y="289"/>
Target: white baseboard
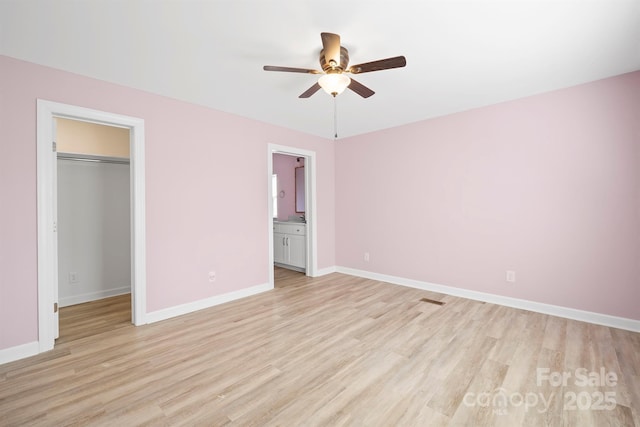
<point x="19" y="352"/>
<point x="554" y="310"/>
<point x="92" y="296"/>
<point x="179" y="310"/>
<point x="31" y="349"/>
<point x="325" y="271"/>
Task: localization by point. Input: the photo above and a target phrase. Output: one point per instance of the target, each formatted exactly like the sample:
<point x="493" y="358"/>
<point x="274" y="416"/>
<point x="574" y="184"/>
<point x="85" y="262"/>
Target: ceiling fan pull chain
<point x="335" y="117"/>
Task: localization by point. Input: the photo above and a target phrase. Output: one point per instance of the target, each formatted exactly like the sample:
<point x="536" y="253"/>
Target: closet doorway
<point x="93" y="228"/>
<point x="47" y="166"/>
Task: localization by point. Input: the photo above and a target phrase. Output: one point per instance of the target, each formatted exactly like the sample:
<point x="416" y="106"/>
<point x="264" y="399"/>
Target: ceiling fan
<point x="334" y="61"/>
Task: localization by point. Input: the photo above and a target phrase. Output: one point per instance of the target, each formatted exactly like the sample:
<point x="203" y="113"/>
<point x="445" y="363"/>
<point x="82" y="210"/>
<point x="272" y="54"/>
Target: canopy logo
<point x="500" y="400"/>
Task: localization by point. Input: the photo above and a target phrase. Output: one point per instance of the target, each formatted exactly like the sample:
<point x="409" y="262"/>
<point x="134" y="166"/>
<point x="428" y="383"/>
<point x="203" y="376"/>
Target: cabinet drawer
<point x="299" y="229"/>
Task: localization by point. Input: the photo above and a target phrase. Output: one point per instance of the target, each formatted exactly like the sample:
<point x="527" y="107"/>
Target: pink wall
<point x="204" y="212"/>
<point x="548" y="186"/>
<point x="285" y="166"/>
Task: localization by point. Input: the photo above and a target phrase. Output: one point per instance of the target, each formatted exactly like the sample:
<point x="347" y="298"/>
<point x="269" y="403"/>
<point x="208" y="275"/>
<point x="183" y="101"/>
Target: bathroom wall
<point x="285" y="166"/>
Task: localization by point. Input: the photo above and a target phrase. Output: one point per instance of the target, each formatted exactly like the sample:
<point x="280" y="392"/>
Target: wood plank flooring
<point x="93" y="318"/>
<point x="332" y="351"/>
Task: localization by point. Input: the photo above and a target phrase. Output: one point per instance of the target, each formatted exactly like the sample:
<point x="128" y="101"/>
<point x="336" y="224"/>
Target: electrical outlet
<point x="366" y="256"/>
<point x="212" y="276"/>
<point x="511" y="276"/>
<point x="73" y="277"/>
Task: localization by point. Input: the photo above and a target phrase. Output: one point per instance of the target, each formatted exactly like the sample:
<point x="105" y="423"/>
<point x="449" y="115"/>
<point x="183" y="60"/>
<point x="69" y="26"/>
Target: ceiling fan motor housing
<point x="344" y="61"/>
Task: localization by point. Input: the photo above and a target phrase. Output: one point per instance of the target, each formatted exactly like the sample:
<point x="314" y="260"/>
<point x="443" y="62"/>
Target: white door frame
<point x="310" y="204"/>
<point x="47" y="253"/>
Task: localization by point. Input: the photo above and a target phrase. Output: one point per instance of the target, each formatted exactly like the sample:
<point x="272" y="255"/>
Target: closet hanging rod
<point x="95" y="160"/>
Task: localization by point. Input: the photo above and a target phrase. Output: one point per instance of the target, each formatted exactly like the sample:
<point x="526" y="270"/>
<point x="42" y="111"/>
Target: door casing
<point x="47" y="194"/>
<point x="310" y="204"/>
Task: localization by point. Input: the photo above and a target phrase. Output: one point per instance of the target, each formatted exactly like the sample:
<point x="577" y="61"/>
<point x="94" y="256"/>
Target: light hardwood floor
<point x="329" y="351"/>
<point x="93" y="318"/>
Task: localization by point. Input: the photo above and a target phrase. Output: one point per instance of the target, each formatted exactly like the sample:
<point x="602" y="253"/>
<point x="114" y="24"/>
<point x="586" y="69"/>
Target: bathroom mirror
<point x="300" y="189"/>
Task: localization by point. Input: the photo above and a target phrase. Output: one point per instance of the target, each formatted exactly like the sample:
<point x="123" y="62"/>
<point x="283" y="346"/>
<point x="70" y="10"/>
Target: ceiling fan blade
<point x="360" y="89"/>
<point x="382" y="64"/>
<point x="290" y="69"/>
<point x="313" y="89"/>
<point x="331" y="47"/>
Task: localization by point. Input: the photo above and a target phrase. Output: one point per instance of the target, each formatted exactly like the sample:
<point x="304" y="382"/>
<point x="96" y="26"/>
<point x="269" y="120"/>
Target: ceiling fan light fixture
<point x="334" y="83"/>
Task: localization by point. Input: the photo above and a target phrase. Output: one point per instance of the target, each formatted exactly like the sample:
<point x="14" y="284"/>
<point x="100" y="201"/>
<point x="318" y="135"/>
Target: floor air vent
<point x="431" y="301"/>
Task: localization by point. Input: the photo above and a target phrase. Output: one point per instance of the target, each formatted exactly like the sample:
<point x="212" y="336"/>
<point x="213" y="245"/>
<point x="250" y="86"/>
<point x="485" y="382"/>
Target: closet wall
<point x="94" y="258"/>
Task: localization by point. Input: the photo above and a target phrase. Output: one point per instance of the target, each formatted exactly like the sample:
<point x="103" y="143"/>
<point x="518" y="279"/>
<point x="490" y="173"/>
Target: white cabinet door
<point x="290" y="245"/>
<point x="297" y="251"/>
<point x="279" y="245"/>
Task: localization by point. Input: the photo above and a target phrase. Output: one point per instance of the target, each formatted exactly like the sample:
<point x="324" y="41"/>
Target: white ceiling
<point x="460" y="54"/>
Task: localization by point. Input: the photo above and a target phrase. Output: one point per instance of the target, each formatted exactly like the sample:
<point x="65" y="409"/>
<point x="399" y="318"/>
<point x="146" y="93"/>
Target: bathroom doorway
<point x="289" y="222"/>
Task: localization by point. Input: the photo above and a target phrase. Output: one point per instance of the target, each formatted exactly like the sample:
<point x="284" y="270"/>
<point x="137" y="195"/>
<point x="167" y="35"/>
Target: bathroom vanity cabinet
<point x="289" y="245"/>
